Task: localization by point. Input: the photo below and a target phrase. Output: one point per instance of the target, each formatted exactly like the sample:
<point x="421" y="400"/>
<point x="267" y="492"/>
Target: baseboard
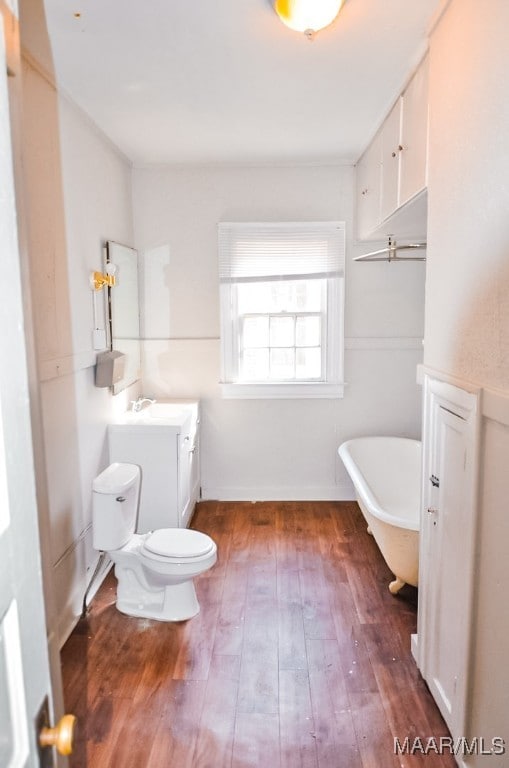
<point x="343" y="492"/>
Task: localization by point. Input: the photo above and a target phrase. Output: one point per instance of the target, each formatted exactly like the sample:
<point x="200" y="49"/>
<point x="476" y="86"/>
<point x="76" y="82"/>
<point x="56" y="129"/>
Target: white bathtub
<point x="386" y="473"/>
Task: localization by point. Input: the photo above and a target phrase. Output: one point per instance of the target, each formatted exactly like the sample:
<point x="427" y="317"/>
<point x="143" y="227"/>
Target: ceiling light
<point x="307" y="16"/>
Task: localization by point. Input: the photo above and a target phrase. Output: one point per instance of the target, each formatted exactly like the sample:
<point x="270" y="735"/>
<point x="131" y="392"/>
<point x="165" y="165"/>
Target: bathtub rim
<point x="362" y="486"/>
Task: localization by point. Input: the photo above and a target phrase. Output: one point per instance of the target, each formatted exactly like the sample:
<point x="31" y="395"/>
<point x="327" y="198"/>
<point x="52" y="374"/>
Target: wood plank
<point x="198" y="634"/>
<point x="256" y="741"/>
<point x="178" y="729"/>
<point x="214" y="745"/>
<point x="291" y="636"/>
<point x="318" y="620"/>
<point x="296" y="724"/>
<point x="230" y="625"/>
<point x="335" y="734"/>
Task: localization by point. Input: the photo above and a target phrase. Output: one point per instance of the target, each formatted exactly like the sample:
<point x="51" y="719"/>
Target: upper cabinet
<point x="392" y="173"/>
<point x="413" y="155"/>
<point x="391" y="160"/>
<point x="369" y="180"/>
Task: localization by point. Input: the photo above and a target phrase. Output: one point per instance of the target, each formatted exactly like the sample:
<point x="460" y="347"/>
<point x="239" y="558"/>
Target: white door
<point x="25" y="689"/>
<point x="447" y="547"/>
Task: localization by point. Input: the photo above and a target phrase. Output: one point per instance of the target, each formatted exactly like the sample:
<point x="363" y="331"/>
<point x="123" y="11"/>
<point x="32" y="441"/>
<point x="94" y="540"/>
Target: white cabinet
<point x="392" y="173"/>
<point x="413" y="155"/>
<point x="447" y="547"/>
<point x="167" y="450"/>
<point x="391" y="151"/>
<point x="369" y="179"/>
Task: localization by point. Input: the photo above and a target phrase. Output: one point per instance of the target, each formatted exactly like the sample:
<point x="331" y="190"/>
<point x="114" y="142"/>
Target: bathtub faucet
<point x="137" y="404"/>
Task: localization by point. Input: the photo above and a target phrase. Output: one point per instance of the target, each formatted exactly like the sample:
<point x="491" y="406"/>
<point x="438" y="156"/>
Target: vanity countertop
<point x="163" y="413"/>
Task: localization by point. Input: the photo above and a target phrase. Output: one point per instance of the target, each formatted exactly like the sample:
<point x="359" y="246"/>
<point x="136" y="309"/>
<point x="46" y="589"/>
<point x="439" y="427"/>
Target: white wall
<point x="260" y="448"/>
<point x="77" y="195"/>
<point x="467" y="300"/>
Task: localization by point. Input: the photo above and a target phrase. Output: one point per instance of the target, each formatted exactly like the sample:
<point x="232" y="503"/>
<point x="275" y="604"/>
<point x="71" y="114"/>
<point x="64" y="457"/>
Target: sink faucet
<point x="137" y="404"/>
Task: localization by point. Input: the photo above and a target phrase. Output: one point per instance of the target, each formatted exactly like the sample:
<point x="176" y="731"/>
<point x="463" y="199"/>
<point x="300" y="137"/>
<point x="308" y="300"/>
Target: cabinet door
<point x="414" y="135"/>
<point x="369" y="175"/>
<point x="391" y="147"/>
<point x="447" y="552"/>
<point x="184" y="479"/>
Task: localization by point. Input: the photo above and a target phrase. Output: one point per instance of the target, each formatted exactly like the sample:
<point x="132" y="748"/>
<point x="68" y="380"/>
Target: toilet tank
<point x="115" y="494"/>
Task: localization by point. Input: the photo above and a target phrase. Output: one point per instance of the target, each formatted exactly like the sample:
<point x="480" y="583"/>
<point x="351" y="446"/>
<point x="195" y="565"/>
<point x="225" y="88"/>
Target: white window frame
<point x="332" y="386"/>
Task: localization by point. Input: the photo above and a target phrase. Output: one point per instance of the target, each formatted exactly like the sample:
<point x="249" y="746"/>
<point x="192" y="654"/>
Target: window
<point x="282" y="309"/>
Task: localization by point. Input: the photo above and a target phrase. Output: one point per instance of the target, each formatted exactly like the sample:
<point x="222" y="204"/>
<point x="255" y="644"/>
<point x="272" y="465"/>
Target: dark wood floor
<point x="300" y="656"/>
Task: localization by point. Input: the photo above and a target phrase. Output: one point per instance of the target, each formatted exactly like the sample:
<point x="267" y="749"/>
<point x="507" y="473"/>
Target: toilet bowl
<point x="155" y="570"/>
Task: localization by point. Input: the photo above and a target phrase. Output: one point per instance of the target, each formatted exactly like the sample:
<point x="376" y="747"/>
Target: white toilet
<point x="154" y="570"/>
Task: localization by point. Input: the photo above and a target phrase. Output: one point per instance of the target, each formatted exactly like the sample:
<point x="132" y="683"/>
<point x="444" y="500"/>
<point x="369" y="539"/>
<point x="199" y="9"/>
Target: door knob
<point x="61" y="736"/>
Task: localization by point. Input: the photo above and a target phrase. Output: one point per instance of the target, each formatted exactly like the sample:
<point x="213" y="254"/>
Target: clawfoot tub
<point x="386" y="475"/>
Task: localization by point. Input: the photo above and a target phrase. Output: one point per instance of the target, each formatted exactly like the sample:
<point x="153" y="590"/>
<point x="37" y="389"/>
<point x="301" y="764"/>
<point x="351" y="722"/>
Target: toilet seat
<point x="177" y="544"/>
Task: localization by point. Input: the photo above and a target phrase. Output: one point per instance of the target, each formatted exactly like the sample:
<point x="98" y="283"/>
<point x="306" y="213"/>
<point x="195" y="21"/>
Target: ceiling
<point x="173" y="81"/>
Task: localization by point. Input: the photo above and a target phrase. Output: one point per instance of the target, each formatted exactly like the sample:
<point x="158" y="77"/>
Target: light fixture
<point x="307" y="16"/>
<point x="98" y="280"/>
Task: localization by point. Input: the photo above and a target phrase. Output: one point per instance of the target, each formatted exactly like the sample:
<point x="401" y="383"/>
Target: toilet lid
<point x="178" y="542"/>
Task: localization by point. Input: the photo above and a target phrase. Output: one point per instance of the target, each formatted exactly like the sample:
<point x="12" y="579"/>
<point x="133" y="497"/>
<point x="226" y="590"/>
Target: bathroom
<point x="81" y="191"/>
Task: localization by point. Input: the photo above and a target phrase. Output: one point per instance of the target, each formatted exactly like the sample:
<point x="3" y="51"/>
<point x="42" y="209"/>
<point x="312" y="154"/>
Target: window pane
<point x="255" y="365"/>
<point x="282" y="331"/>
<point x="307" y="331"/>
<point x="255" y="332"/>
<point x="253" y="297"/>
<point x="280" y="296"/>
<point x="308" y="295"/>
<point x="282" y="364"/>
<point x="308" y="363"/>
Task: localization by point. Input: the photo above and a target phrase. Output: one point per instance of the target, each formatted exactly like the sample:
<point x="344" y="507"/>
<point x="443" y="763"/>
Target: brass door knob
<point x="61" y="736"/>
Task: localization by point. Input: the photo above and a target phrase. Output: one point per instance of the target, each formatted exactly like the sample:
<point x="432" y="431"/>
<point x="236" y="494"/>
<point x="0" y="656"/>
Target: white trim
<point x="65" y="365"/>
<point x="343" y="492"/>
<point x="494" y="402"/>
<point x="282" y="391"/>
<point x="454" y="381"/>
<point x="373" y="343"/>
<point x="495" y="406"/>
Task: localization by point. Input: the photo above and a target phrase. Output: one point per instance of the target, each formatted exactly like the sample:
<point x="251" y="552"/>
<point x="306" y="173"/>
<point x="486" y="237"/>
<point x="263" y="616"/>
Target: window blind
<point x="257" y="251"/>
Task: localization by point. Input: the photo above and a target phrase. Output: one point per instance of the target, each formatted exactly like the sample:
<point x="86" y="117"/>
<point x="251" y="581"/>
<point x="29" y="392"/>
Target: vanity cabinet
<point x="392" y="173"/>
<point x="167" y="451"/>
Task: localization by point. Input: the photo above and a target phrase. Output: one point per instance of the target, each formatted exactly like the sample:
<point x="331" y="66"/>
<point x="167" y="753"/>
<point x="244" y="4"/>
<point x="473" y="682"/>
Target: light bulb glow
<point x="304" y="15"/>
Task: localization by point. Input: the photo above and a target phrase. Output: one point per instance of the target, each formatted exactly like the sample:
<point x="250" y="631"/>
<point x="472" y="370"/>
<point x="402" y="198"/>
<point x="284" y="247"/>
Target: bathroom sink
<point x="165" y="410"/>
<point x="160" y="413"/>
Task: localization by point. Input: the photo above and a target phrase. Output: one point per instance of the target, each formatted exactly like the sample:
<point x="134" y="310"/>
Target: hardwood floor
<point x="300" y="656"/>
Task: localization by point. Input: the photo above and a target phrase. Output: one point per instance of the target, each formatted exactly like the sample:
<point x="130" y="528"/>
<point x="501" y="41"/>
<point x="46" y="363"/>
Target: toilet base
<point x="176" y="602"/>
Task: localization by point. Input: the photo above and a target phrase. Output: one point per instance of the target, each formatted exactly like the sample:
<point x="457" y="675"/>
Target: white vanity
<point x="163" y="439"/>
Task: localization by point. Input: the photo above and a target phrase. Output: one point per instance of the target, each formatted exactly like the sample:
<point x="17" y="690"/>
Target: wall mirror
<point x="124" y="311"/>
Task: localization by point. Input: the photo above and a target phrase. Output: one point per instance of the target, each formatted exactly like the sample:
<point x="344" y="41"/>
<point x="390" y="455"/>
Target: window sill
<point x="283" y="391"/>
